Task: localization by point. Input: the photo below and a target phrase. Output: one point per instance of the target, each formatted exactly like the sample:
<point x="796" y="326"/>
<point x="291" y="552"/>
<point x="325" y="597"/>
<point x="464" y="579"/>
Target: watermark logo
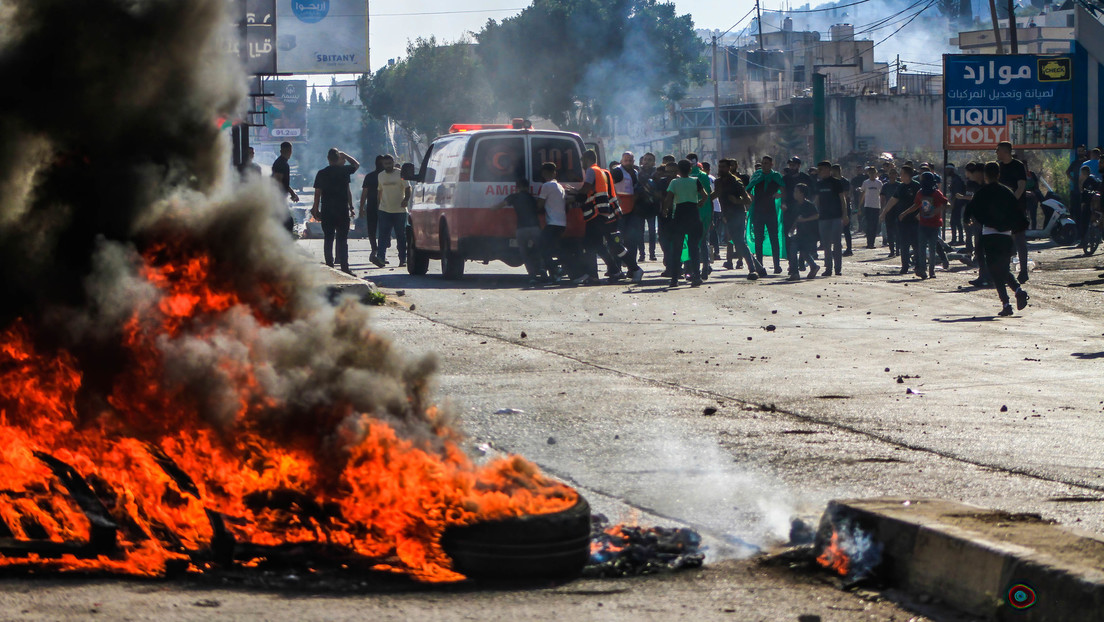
<point x="1021" y="596"/>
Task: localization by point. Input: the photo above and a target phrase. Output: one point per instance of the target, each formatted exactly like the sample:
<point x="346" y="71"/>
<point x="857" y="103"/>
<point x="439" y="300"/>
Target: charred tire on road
<point x="417" y="262"/>
<point x="544" y="546"/>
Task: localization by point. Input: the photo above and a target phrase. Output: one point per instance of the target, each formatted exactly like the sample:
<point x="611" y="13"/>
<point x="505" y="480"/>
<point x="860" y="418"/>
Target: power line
<point x="446" y="12"/>
<point x="738" y="22"/>
<point x="833" y="8"/>
<point x="927" y="6"/>
<point x="878" y="24"/>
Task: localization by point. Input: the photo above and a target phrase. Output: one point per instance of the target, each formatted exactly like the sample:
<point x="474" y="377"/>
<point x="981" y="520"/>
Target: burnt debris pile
<point x="626" y="551"/>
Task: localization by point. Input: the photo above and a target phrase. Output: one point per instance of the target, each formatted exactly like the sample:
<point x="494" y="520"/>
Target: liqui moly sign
<point x="1026" y="99"/>
<point x="981" y="125"/>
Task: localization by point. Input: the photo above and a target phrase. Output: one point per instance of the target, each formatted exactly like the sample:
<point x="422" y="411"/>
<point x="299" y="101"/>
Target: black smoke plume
<point x="110" y="147"/>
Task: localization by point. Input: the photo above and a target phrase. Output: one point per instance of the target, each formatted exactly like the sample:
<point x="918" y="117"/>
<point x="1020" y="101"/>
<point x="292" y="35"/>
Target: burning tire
<point x="529" y="547"/>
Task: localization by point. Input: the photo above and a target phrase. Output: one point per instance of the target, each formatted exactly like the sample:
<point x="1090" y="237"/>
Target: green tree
<point x="434" y="86"/>
<point x="578" y="62"/>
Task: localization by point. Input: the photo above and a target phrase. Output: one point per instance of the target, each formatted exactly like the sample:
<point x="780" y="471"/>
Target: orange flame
<point x="834" y="558"/>
<point x="390" y="499"/>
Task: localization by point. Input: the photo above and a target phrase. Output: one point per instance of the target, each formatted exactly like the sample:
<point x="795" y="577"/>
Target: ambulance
<point x="465" y="174"/>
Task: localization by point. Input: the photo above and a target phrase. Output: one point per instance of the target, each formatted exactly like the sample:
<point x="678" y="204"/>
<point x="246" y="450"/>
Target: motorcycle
<point x="1059" y="226"/>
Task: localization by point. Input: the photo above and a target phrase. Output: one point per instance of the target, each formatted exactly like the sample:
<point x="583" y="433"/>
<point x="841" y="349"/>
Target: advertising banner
<point x="254" y="27"/>
<point x="285" y="117"/>
<point x="322" y="36"/>
<point x="1026" y="99"/>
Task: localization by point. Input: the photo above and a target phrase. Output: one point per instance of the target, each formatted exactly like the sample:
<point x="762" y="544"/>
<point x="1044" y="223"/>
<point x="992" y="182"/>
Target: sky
<point x="389" y="32"/>
<point x="393" y="25"/>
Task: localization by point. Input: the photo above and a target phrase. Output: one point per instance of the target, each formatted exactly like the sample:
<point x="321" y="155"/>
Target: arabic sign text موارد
<point x="1026" y="99"/>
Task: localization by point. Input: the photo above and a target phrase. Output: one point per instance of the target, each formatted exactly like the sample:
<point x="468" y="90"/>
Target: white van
<point x="468" y="171"/>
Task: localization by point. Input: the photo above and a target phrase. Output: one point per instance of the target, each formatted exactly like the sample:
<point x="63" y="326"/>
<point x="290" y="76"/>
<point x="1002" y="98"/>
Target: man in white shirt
<point x="551" y="201"/>
<point x="872" y="204"/>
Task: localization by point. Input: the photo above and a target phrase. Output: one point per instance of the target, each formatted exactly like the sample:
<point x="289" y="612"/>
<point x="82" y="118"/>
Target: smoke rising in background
<point x="925" y="39"/>
<point x="110" y="151"/>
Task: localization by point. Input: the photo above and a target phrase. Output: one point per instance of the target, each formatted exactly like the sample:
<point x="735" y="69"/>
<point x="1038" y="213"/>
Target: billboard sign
<point x="285" y="117"/>
<point x="322" y="36"/>
<point x="254" y="27"/>
<point x="1026" y="99"/>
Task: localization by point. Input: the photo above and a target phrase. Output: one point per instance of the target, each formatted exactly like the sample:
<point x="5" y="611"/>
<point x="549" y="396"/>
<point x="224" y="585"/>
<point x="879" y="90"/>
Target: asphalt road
<point x="870" y="384"/>
<point x="609" y="387"/>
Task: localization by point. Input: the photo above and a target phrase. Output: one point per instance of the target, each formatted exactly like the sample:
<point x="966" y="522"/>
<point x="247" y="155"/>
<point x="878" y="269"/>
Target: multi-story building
<point x="1049" y="32"/>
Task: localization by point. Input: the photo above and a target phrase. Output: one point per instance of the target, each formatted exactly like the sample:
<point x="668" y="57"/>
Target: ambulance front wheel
<point x="417" y="262"/>
<point x="452" y="263"/>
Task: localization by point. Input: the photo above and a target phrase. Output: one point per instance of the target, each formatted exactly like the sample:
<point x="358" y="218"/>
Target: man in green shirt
<point x="685" y="198"/>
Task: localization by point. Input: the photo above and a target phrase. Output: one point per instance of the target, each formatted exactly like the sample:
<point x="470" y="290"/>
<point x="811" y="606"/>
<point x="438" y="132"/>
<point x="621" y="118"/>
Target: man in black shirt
<point x="732" y="194"/>
<point x="647" y="202"/>
<point x="831" y="203"/>
<point x="890" y="183"/>
<point x="837" y="172"/>
<point x="804" y="223"/>
<point x="333" y="205"/>
<point x="907" y="225"/>
<point x="1072" y="172"/>
<point x="281" y="172"/>
<point x="998" y="211"/>
<point x="792" y="176"/>
<point x="528" y="231"/>
<point x="955" y="187"/>
<point x="369" y="206"/>
<point x="1013" y="175"/>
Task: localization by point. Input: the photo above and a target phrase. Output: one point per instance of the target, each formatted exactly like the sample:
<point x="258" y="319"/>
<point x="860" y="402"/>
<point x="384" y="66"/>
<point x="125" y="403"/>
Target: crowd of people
<point x="697" y="216"/>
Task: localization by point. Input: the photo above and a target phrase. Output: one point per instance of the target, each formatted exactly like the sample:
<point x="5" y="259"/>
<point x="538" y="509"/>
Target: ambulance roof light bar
<point x="514" y="124"/>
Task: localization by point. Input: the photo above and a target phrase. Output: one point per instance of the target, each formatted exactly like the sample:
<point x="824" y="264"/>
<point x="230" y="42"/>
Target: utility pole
<point x="898" y="74"/>
<point x="759" y="23"/>
<point x="996" y="25"/>
<point x="762" y="56"/>
<point x="820" y="142"/>
<point x="716" y="107"/>
<point x="1012" y="39"/>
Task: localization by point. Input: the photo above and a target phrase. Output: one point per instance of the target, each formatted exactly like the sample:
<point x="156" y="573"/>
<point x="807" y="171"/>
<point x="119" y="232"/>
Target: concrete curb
<point x="978" y="560"/>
